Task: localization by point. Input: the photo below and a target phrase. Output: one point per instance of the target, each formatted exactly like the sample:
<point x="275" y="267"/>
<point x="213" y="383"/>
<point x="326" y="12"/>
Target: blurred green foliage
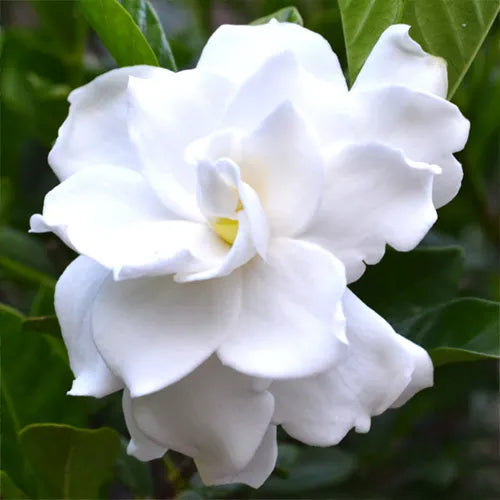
<point x="442" y="444"/>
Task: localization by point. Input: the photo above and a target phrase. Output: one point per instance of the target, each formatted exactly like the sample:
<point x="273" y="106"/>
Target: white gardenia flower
<point x="219" y="214"/>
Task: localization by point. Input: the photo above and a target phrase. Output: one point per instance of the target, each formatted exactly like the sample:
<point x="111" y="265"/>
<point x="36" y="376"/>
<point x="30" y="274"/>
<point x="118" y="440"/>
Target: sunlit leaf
<point x="130" y="30"/>
<point x="147" y="20"/>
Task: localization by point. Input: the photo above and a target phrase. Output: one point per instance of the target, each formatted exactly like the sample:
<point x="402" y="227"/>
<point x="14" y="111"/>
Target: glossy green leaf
<point x="130" y="30"/>
<point x="464" y="329"/>
<point x="452" y="29"/>
<point x="403" y="285"/>
<point x="70" y="462"/>
<point x="147" y="20"/>
<point x="119" y="32"/>
<point x="285" y="15"/>
<point x="8" y="490"/>
<point x="35" y="378"/>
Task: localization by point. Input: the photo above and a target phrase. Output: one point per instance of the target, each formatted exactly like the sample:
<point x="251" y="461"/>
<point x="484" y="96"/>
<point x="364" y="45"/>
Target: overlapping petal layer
<point x="287" y="326"/>
<point x="236" y="52"/>
<point x="378" y="368"/>
<point x="373" y="196"/>
<point x="96" y="130"/>
<point x="113" y="216"/>
<point x="74" y="298"/>
<point x="216" y="416"/>
<point x="163" y="120"/>
<point x="153" y="331"/>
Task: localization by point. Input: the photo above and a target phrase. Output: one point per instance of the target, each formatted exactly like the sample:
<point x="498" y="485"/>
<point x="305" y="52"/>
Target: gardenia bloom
<point x="220" y="213"/>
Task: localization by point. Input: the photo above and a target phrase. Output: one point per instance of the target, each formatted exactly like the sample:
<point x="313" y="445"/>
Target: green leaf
<point x="147" y="20"/>
<point x="313" y="469"/>
<point x="8" y="490"/>
<point x="403" y="285"/>
<point x="35" y="378"/>
<point x="285" y="15"/>
<point x="70" y="462"/>
<point x="452" y="29"/>
<point x="23" y="257"/>
<point x="63" y="24"/>
<point x="131" y="32"/>
<point x="465" y="329"/>
<point x="134" y="474"/>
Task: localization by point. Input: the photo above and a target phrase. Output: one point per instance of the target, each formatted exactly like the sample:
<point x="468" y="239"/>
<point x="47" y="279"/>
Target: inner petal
<point x="224" y="198"/>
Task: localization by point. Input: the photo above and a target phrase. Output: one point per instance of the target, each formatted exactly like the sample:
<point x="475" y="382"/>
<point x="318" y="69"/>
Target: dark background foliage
<point x="442" y="444"/>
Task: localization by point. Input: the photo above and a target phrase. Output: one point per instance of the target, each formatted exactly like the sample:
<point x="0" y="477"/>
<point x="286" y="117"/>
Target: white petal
<point x="112" y="215"/>
<point x="95" y="131"/>
<point x="218" y="181"/>
<point x="261" y="466"/>
<point x="235" y="52"/>
<point x="422" y="375"/>
<point x="396" y="59"/>
<point x="153" y="331"/>
<point x="164" y="119"/>
<point x="447" y="185"/>
<point x="282" y="163"/>
<point x="425" y="127"/>
<point x="217" y="195"/>
<point x="221" y="201"/>
<point x="213" y="415"/>
<point x="288" y="325"/>
<point x="239" y="253"/>
<point x="75" y="293"/>
<point x="281" y="79"/>
<point x="373" y="196"/>
<point x="377" y="368"/>
<point x="140" y="445"/>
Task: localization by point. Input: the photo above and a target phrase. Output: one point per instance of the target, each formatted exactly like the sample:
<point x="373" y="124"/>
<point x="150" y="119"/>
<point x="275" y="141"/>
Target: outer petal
<point x="75" y="294"/>
<point x="282" y="162"/>
<point x="373" y="196"/>
<point x="95" y="131"/>
<point x="140" y="445"/>
<point x="113" y="216"/>
<point x="447" y="185"/>
<point x="235" y="52"/>
<point x="288" y="325"/>
<point x="396" y="59"/>
<point x="164" y="119"/>
<point x="425" y="127"/>
<point x="261" y="465"/>
<point x="213" y="415"/>
<point x="378" y="367"/>
<point x="153" y="331"/>
<point x="422" y="375"/>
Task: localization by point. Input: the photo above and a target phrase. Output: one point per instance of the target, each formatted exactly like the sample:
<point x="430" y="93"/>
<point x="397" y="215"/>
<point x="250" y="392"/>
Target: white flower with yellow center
<point x="220" y="213"/>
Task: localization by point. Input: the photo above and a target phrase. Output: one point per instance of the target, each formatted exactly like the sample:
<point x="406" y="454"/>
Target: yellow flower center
<point x="227" y="229"/>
